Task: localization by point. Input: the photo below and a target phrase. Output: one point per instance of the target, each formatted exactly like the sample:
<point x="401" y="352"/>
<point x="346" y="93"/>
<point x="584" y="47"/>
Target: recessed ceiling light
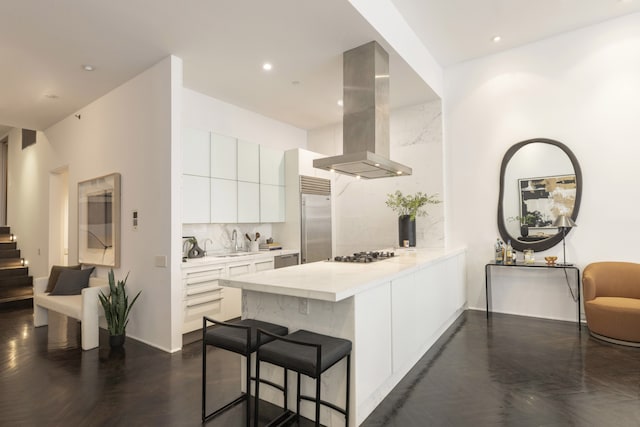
<point x="88" y="67"/>
<point x="399" y="172"/>
<point x="357" y="176"/>
<point x="340" y="103"/>
<point x="496" y="39"/>
<point x="267" y="66"/>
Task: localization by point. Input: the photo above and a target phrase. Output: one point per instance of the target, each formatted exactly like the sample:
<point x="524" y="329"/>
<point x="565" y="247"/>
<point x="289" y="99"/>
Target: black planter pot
<point x="406" y="230"/>
<point x="524" y="230"/>
<point x="116" y="341"/>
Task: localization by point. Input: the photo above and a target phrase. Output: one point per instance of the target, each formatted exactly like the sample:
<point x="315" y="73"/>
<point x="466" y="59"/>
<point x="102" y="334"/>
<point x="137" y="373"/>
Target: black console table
<point x="492" y="264"/>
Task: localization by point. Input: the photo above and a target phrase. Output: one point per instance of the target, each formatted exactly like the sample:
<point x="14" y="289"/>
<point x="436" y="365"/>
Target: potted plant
<point x="408" y="208"/>
<point x="116" y="309"/>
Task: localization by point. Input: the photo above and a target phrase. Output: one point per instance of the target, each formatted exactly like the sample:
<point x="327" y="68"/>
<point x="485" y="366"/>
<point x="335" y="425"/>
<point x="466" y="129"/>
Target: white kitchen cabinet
<point x="195" y="199"/>
<point x="202" y="295"/>
<point x="224" y="200"/>
<point x="264" y="264"/>
<point x="223" y="157"/>
<point x="233" y="302"/>
<point x="271" y="166"/>
<point x="248" y="161"/>
<point x="272" y="203"/>
<point x="195" y="152"/>
<point x="248" y="202"/>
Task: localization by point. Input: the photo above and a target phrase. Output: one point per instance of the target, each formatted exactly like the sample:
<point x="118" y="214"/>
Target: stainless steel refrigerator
<point x="315" y="199"/>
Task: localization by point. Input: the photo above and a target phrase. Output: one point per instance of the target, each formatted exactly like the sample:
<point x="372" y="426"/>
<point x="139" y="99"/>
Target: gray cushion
<point x="235" y="339"/>
<point x="55" y="274"/>
<point x="303" y="358"/>
<point x="71" y="282"/>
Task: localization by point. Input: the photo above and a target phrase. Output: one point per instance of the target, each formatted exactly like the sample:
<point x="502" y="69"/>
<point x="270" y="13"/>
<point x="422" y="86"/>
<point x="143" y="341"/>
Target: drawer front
<point x="264" y="265"/>
<point x="196" y="308"/>
<point x="236" y="269"/>
<point x="203" y="276"/>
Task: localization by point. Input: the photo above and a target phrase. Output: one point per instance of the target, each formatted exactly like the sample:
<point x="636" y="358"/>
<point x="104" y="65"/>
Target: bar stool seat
<point x="306" y="353"/>
<point x="239" y="337"/>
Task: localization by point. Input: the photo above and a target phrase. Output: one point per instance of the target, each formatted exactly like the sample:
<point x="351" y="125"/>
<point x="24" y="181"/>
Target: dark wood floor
<point x="511" y="371"/>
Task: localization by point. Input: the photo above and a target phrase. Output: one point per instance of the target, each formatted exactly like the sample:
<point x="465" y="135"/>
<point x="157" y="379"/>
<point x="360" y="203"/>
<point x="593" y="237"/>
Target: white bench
<point x="85" y="307"/>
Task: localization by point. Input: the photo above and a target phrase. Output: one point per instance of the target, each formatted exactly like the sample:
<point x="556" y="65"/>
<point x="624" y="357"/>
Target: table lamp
<point x="564" y="222"/>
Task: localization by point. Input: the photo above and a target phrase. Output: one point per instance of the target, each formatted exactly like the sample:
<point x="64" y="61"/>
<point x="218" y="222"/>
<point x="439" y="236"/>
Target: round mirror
<point x="540" y="179"/>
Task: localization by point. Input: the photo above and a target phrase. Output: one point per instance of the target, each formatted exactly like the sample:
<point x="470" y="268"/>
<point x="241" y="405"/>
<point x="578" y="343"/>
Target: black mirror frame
<point x="541" y="245"/>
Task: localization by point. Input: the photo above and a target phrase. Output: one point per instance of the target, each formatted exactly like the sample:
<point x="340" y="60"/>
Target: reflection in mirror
<point x="540" y="180"/>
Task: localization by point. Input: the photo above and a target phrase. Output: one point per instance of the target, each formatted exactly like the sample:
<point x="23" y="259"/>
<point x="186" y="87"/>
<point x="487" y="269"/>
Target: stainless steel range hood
<point x="365" y="128"/>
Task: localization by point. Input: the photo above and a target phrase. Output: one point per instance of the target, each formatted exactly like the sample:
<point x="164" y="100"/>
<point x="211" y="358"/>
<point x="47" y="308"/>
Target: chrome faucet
<point x="234" y="239"/>
<point x="205" y="244"/>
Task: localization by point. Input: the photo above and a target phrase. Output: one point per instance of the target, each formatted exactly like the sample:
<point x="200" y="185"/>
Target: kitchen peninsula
<point x="392" y="310"/>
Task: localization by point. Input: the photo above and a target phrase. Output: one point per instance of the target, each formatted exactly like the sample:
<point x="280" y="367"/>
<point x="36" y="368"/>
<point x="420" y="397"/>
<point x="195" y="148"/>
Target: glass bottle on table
<point x="499" y="253"/>
<point x="508" y="256"/>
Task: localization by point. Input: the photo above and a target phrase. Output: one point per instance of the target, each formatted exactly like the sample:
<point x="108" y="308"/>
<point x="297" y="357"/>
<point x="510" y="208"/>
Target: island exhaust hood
<point x="365" y="125"/>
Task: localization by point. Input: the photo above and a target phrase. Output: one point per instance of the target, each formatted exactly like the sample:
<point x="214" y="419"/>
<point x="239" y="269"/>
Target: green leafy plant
<point x="530" y="219"/>
<point x="412" y="205"/>
<point x="116" y="305"/>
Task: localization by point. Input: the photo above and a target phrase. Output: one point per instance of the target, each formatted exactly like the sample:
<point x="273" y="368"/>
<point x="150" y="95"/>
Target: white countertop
<point x="237" y="256"/>
<point x="335" y="281"/>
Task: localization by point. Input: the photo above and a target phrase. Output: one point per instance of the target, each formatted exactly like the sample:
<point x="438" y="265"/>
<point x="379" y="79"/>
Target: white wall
<point x="129" y="131"/>
<point x="581" y="88"/>
<point x="363" y="221"/>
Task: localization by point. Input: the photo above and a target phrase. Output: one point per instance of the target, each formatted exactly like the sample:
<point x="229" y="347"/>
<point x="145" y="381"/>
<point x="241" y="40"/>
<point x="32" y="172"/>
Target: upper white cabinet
<point x="195" y="152"/>
<point x="238" y="181"/>
<point x="271" y="166"/>
<point x="224" y="200"/>
<point x="223" y="157"/>
<point x="272" y="203"/>
<point x="248" y="161"/>
<point x="195" y="199"/>
<point x="248" y="202"/>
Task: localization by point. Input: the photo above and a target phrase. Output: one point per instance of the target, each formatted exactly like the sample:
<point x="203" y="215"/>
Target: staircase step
<point x="9" y="253"/>
<point x="10" y="263"/>
<point x="19" y="281"/>
<point x="14" y="293"/>
<point x="4" y="229"/>
<point x="13" y="272"/>
<point x="16" y="288"/>
<point x="8" y="245"/>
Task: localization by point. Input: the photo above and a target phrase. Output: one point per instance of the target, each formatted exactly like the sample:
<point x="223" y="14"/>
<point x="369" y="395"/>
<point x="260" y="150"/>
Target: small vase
<point x="195" y="252"/>
<point x="406" y="230"/>
<point x="116" y="341"/>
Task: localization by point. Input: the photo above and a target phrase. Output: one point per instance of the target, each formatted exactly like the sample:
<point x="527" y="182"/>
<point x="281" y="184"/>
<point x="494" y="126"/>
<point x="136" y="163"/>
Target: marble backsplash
<point x="215" y="238"/>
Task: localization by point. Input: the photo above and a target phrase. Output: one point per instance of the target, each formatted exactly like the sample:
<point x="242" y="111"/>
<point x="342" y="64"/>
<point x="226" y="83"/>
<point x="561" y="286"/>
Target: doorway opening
<point x="4" y="173"/>
<point x="59" y="216"/>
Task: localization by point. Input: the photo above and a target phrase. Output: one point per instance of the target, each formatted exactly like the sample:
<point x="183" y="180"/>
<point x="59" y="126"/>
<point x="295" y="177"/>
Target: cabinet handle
<point x="203" y="290"/>
<point x="202" y="302"/>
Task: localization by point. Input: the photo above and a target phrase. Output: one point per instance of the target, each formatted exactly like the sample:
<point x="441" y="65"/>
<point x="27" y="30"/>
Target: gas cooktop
<point x="365" y="257"/>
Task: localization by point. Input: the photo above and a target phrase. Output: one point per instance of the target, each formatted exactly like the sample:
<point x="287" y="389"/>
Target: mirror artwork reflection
<point x="540" y="180"/>
<point x="99" y="221"/>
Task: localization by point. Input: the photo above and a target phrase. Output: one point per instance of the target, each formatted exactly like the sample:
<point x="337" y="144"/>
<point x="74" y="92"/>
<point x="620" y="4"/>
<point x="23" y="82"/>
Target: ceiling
<point x="45" y="44"/>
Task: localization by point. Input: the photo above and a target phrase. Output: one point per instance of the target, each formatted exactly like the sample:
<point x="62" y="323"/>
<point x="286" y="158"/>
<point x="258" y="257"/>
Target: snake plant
<point x="116" y="305"/>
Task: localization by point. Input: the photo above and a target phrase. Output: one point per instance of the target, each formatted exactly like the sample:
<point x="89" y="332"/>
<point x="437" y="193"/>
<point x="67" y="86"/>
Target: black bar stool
<point x="306" y="353"/>
<point x="239" y="337"/>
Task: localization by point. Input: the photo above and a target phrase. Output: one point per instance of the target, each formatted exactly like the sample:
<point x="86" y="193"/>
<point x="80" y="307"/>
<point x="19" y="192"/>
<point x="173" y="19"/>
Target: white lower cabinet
<point x="203" y="296"/>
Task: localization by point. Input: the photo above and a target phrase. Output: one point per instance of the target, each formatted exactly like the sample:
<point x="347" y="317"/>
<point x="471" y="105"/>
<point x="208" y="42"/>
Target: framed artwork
<point x="99" y="221"/>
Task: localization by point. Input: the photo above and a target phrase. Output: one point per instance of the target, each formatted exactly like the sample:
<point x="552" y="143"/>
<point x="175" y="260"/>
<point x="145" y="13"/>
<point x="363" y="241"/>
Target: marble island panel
<point x="391" y="310"/>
